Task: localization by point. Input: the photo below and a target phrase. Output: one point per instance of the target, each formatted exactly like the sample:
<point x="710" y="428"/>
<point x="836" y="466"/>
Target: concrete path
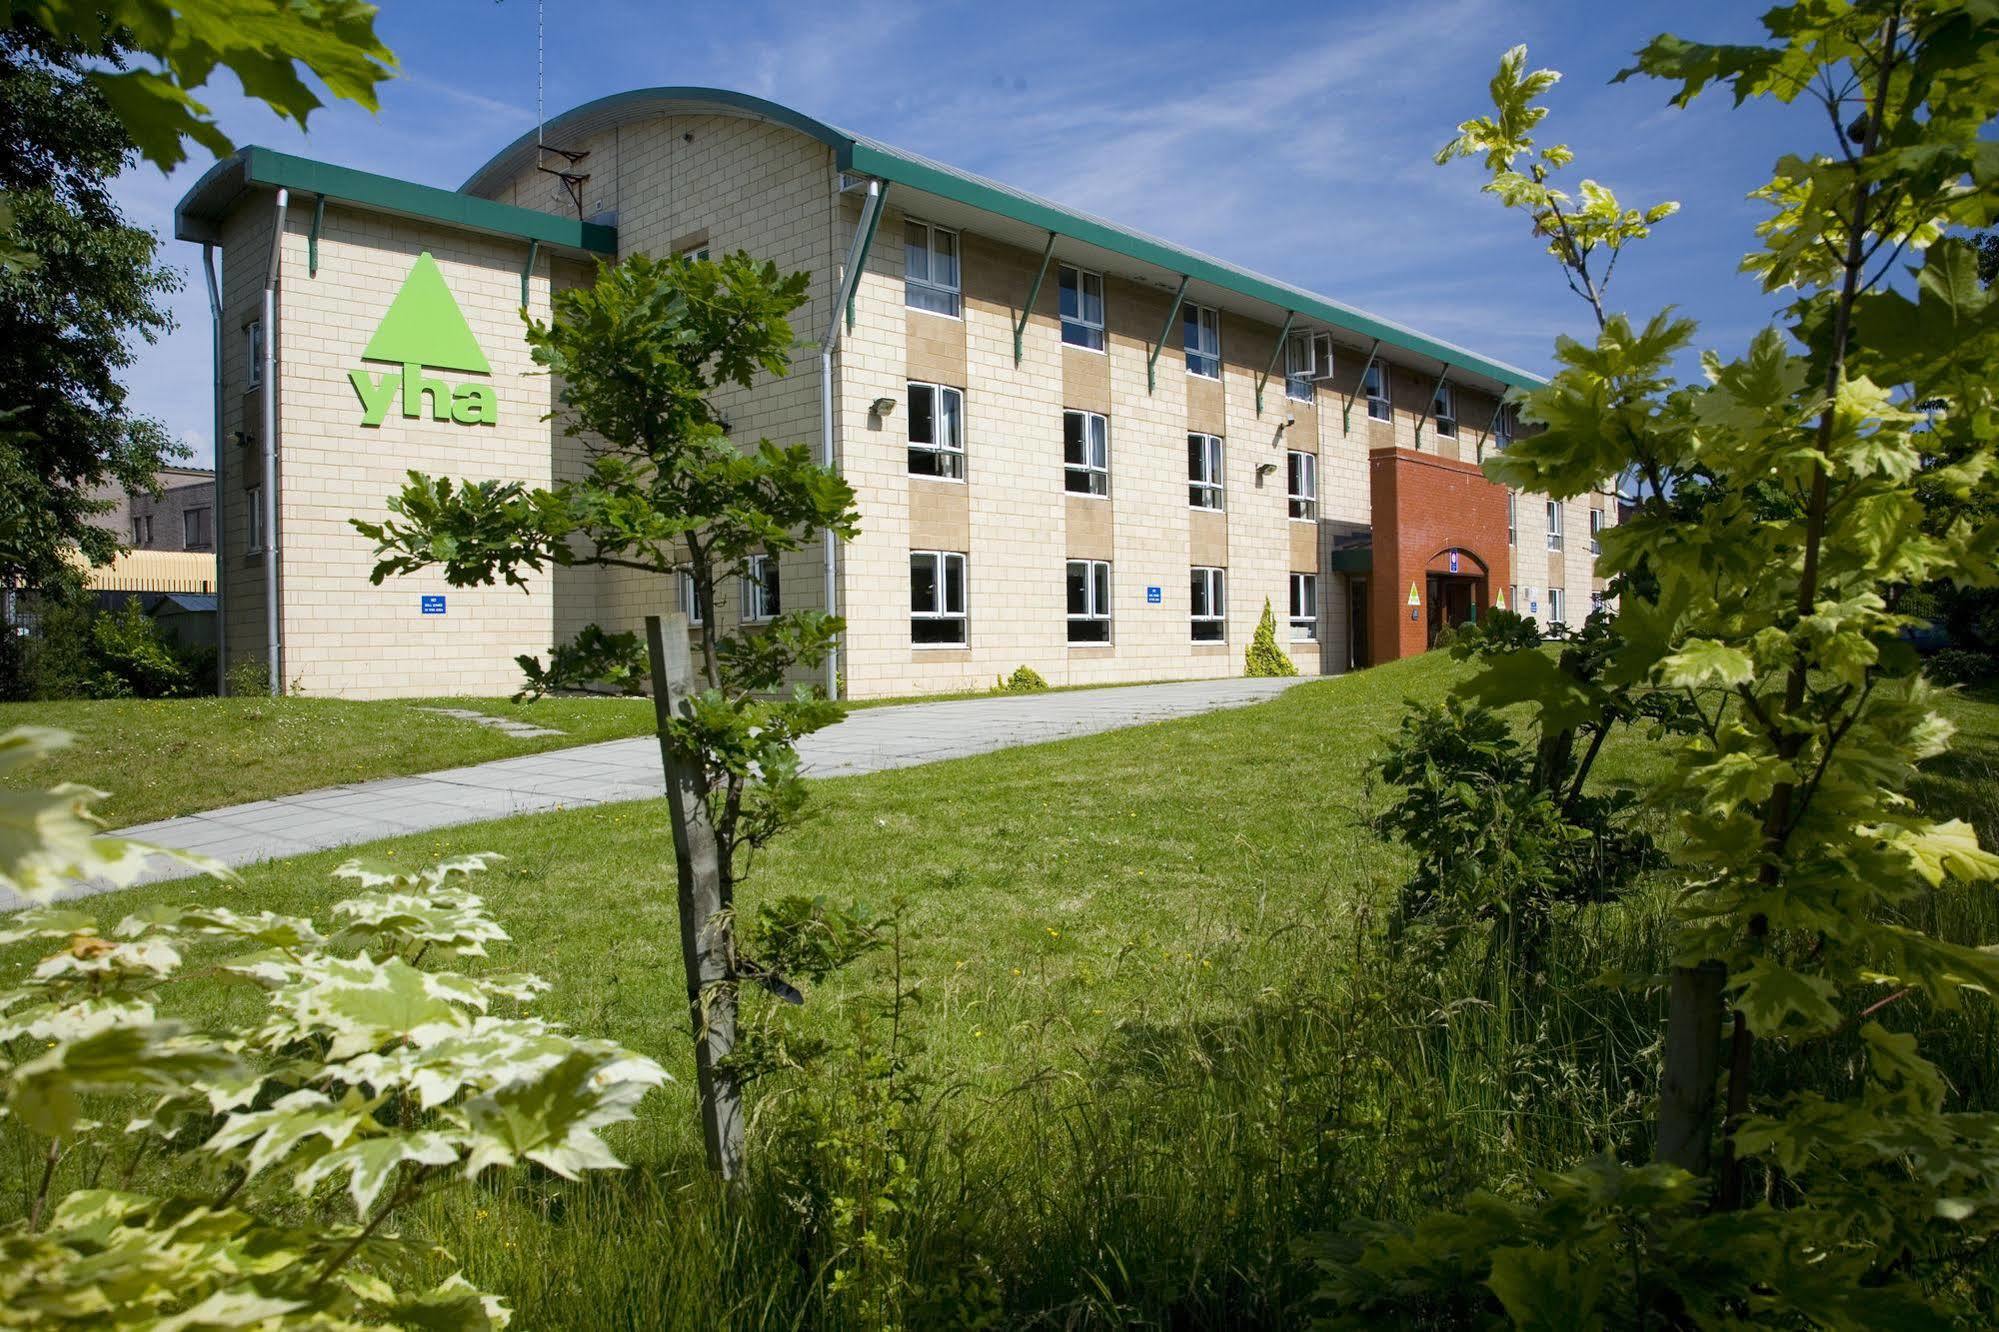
<point x="869" y="740"/>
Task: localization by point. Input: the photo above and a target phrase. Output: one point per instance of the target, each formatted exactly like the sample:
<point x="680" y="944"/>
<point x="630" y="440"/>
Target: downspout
<point x="273" y="664"/>
<point x="221" y="486"/>
<point x="857" y="254"/>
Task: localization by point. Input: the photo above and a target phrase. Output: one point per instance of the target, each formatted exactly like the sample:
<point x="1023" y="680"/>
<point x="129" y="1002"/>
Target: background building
<point x="1075" y="446"/>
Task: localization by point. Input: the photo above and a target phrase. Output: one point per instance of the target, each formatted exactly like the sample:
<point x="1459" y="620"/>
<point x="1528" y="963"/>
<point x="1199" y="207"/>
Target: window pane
<point x="1071" y="304"/>
<point x="916" y="251"/>
<point x="1197" y="458"/>
<point x="922" y="414"/>
<point x="944" y="259"/>
<point x="954" y="584"/>
<point x="937" y="631"/>
<point x="1101" y="603"/>
<point x="1089" y="631"/>
<point x="1072" y="439"/>
<point x="1100" y="444"/>
<point x="1079" y="587"/>
<point x="922" y="583"/>
<point x="951" y="418"/>
<point x="1093" y="298"/>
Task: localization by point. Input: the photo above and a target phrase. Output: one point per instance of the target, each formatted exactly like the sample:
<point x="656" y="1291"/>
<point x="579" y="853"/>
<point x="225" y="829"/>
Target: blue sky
<point x="1293" y="138"/>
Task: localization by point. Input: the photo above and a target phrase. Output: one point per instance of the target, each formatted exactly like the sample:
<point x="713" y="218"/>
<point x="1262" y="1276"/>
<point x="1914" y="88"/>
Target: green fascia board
<point x="203" y="207"/>
<point x="877" y="159"/>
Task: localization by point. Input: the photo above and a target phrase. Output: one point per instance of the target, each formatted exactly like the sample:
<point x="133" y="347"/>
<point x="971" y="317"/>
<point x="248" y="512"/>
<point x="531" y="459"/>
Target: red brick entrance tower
<point x="1439" y="527"/>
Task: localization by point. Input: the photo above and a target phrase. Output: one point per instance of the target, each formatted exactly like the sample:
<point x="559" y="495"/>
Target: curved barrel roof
<point x="1032" y="216"/>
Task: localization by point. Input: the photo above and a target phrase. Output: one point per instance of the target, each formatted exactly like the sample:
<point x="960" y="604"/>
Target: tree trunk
<point x="1693" y="1061"/>
<point x="705" y="945"/>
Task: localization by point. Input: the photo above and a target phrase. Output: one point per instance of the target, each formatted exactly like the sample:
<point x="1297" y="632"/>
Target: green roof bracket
<point x="527" y="271"/>
<point x="312" y="237"/>
<point x="867" y="243"/>
<point x="1283" y="334"/>
<point x="1490" y="426"/>
<point x="1430" y="411"/>
<point x="1033" y="295"/>
<point x="1152" y="361"/>
<point x="1346" y="408"/>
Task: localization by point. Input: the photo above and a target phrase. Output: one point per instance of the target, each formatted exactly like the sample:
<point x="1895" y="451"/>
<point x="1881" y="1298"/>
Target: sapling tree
<point x="639" y="355"/>
<point x="1781" y="511"/>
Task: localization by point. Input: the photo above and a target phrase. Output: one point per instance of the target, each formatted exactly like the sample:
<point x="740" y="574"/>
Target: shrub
<point x="1264" y="657"/>
<point x="1445" y="639"/>
<point x="79" y="651"/>
<point x="1961" y="666"/>
<point x="249" y="677"/>
<point x="369" y="1081"/>
<point x="1024" y="680"/>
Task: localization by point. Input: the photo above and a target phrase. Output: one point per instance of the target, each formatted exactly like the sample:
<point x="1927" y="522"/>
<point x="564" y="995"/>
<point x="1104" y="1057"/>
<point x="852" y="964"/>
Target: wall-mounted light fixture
<point x="1263" y="470"/>
<point x="883" y="406"/>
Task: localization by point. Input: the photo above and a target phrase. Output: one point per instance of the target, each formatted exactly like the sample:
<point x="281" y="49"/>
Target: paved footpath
<point x="869" y="740"/>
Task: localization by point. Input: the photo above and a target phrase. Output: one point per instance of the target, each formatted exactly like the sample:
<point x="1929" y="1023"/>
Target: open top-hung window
<point x="1204" y="471"/>
<point x="930" y="268"/>
<point x="1554" y="525"/>
<point x="1206" y="610"/>
<point x="936" y="431"/>
<point x="690" y="601"/>
<point x="1374" y="384"/>
<point x="1302" y="483"/>
<point x="937" y="598"/>
<point x="1202" y="327"/>
<point x="1089" y="601"/>
<point x="1082" y="308"/>
<point x="1086" y="453"/>
<point x="1444" y="410"/>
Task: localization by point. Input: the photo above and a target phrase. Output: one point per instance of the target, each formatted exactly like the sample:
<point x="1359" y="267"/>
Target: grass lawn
<point x="164" y="757"/>
<point x="1147" y="1038"/>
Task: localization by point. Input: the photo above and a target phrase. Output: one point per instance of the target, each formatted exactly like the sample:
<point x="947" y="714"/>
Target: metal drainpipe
<point x="215" y="520"/>
<point x="270" y="496"/>
<point x="848" y="279"/>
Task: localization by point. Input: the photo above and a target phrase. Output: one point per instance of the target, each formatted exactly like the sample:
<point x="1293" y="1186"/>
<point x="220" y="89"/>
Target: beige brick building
<point x="1076" y="446"/>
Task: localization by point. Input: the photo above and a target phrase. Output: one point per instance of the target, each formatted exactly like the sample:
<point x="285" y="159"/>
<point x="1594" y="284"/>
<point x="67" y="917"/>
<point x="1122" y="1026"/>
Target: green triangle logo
<point x="424" y="326"/>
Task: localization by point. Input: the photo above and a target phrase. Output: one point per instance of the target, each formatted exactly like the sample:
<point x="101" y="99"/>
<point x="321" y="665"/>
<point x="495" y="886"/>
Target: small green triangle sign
<point x="424" y="326"/>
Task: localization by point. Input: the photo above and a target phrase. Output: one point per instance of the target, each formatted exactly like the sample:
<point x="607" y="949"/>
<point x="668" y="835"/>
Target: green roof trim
<point x="892" y="164"/>
<point x="199" y="215"/>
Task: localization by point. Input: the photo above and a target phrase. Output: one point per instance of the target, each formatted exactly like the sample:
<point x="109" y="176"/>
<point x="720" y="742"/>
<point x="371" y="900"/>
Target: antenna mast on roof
<point x="572" y="180"/>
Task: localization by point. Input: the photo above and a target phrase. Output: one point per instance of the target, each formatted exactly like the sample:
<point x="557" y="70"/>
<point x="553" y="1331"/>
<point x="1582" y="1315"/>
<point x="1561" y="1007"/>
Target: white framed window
<point x="760" y="587"/>
<point x="1206" y="607"/>
<point x="1513" y="599"/>
<point x="1595" y="602"/>
<point x="1298" y="367"/>
<point x="253" y="342"/>
<point x="194" y="528"/>
<point x="1204" y="471"/>
<point x="1086" y="453"/>
<point x="1202" y="329"/>
<point x="1301" y="471"/>
<point x="1512" y="519"/>
<point x="1444" y="410"/>
<point x="1304" y="608"/>
<point x="936" y="431"/>
<point x="696" y="253"/>
<point x="690" y="601"/>
<point x="1557" y="611"/>
<point x="1596" y="531"/>
<point x="930" y="268"/>
<point x="1554" y="525"/>
<point x="1089" y="601"/>
<point x="1082" y="308"/>
<point x="937" y="599"/>
<point x="254" y="501"/>
<point x="1374" y="384"/>
<point x="1503" y="426"/>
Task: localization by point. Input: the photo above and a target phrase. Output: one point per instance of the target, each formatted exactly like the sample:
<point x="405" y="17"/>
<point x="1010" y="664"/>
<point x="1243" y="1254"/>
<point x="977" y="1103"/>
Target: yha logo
<point x="424" y="330"/>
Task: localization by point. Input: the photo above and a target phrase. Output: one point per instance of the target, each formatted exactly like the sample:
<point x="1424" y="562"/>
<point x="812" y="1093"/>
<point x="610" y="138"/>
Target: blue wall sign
<point x="1153" y="596"/>
<point x="1454" y="561"/>
<point x="433" y="605"/>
